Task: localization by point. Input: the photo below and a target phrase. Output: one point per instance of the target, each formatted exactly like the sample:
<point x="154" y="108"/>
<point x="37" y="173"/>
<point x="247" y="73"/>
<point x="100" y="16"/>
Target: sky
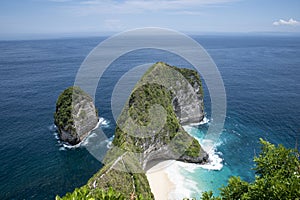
<point x="45" y="18"/>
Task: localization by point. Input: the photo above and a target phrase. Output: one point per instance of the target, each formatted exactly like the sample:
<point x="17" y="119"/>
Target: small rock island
<point x="75" y="115"/>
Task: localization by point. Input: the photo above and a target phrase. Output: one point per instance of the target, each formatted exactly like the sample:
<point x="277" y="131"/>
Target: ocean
<point x="261" y="77"/>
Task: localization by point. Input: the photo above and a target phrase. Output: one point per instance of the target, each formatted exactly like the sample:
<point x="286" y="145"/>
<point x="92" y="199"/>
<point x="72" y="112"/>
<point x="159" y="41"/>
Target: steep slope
<point x="150" y="124"/>
<point x="75" y="115"/>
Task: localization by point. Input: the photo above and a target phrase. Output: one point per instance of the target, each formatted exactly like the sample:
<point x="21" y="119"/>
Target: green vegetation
<point x="63" y="116"/>
<point x="192" y="77"/>
<point x="139" y="103"/>
<point x="163" y="73"/>
<point x="194" y="149"/>
<point x="84" y="193"/>
<point x="278" y="177"/>
<point x="154" y="89"/>
<point x="120" y="176"/>
<point x="125" y="184"/>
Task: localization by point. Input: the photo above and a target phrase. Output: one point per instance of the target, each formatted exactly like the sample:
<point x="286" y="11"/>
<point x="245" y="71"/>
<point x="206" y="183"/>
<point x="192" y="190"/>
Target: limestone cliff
<point x="158" y="134"/>
<point x="188" y="104"/>
<point x="75" y="115"/>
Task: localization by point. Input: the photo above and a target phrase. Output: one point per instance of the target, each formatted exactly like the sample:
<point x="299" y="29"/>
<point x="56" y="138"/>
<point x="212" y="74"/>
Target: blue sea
<point x="261" y="76"/>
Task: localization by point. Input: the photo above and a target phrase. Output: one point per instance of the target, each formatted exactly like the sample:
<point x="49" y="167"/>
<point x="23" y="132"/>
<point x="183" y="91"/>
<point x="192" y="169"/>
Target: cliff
<point x="188" y="104"/>
<point x="149" y="130"/>
<point x="75" y="115"/>
<point x="158" y="134"/>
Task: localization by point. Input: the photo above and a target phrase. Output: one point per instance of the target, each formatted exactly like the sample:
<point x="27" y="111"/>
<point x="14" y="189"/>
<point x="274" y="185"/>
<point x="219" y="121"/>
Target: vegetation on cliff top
<point x="192" y="77"/>
<point x="84" y="193"/>
<point x="139" y="104"/>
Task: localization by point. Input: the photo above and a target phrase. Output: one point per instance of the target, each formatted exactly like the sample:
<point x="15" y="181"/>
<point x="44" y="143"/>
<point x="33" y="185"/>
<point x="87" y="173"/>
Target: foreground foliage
<point x="277" y="177"/>
<point x="97" y="194"/>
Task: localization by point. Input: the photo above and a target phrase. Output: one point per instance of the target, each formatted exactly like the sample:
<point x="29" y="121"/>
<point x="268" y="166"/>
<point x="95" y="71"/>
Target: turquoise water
<point x="210" y="176"/>
<point x="261" y="77"/>
<point x="263" y="102"/>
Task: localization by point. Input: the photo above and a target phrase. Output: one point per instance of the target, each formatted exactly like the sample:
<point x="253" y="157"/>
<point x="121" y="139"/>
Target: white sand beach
<point x="168" y="183"/>
<point x="161" y="185"/>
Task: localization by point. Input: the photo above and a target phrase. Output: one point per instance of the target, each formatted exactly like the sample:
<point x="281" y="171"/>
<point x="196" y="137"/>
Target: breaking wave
<point x="63" y="146"/>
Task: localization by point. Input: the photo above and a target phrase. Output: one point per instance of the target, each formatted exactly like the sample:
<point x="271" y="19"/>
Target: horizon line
<point x="47" y="36"/>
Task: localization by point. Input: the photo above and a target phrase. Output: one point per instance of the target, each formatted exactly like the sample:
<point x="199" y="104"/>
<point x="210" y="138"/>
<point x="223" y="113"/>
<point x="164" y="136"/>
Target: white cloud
<point x="289" y="22"/>
<point x="190" y="7"/>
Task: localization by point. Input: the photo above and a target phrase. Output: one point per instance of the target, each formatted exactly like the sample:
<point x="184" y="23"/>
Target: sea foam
<point x="215" y="161"/>
<point x="185" y="188"/>
<point x="205" y="120"/>
<point x="64" y="145"/>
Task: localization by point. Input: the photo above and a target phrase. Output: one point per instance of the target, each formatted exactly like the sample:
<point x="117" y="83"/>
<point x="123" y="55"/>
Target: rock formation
<point x="75" y="115"/>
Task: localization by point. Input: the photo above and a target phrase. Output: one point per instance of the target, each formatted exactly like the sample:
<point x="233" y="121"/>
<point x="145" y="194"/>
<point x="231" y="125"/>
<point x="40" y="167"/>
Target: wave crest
<point x="63" y="146"/>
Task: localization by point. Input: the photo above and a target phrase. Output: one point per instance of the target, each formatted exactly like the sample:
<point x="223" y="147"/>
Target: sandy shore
<point x="160" y="184"/>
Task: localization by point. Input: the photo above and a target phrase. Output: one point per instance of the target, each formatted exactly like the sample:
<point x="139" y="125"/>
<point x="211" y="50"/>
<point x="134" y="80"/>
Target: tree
<point x="277" y="177"/>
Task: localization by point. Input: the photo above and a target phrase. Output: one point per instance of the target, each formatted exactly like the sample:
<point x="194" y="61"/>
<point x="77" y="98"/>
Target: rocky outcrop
<point x="179" y="92"/>
<point x="75" y="115"/>
<point x="188" y="104"/>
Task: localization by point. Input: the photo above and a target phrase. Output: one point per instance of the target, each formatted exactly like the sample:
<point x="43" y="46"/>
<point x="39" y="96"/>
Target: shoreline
<point x="159" y="181"/>
<point x="168" y="183"/>
<point x="101" y="120"/>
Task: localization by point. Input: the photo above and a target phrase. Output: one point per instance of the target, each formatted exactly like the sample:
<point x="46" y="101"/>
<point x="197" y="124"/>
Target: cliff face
<point x="75" y="115"/>
<point x="188" y="104"/>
